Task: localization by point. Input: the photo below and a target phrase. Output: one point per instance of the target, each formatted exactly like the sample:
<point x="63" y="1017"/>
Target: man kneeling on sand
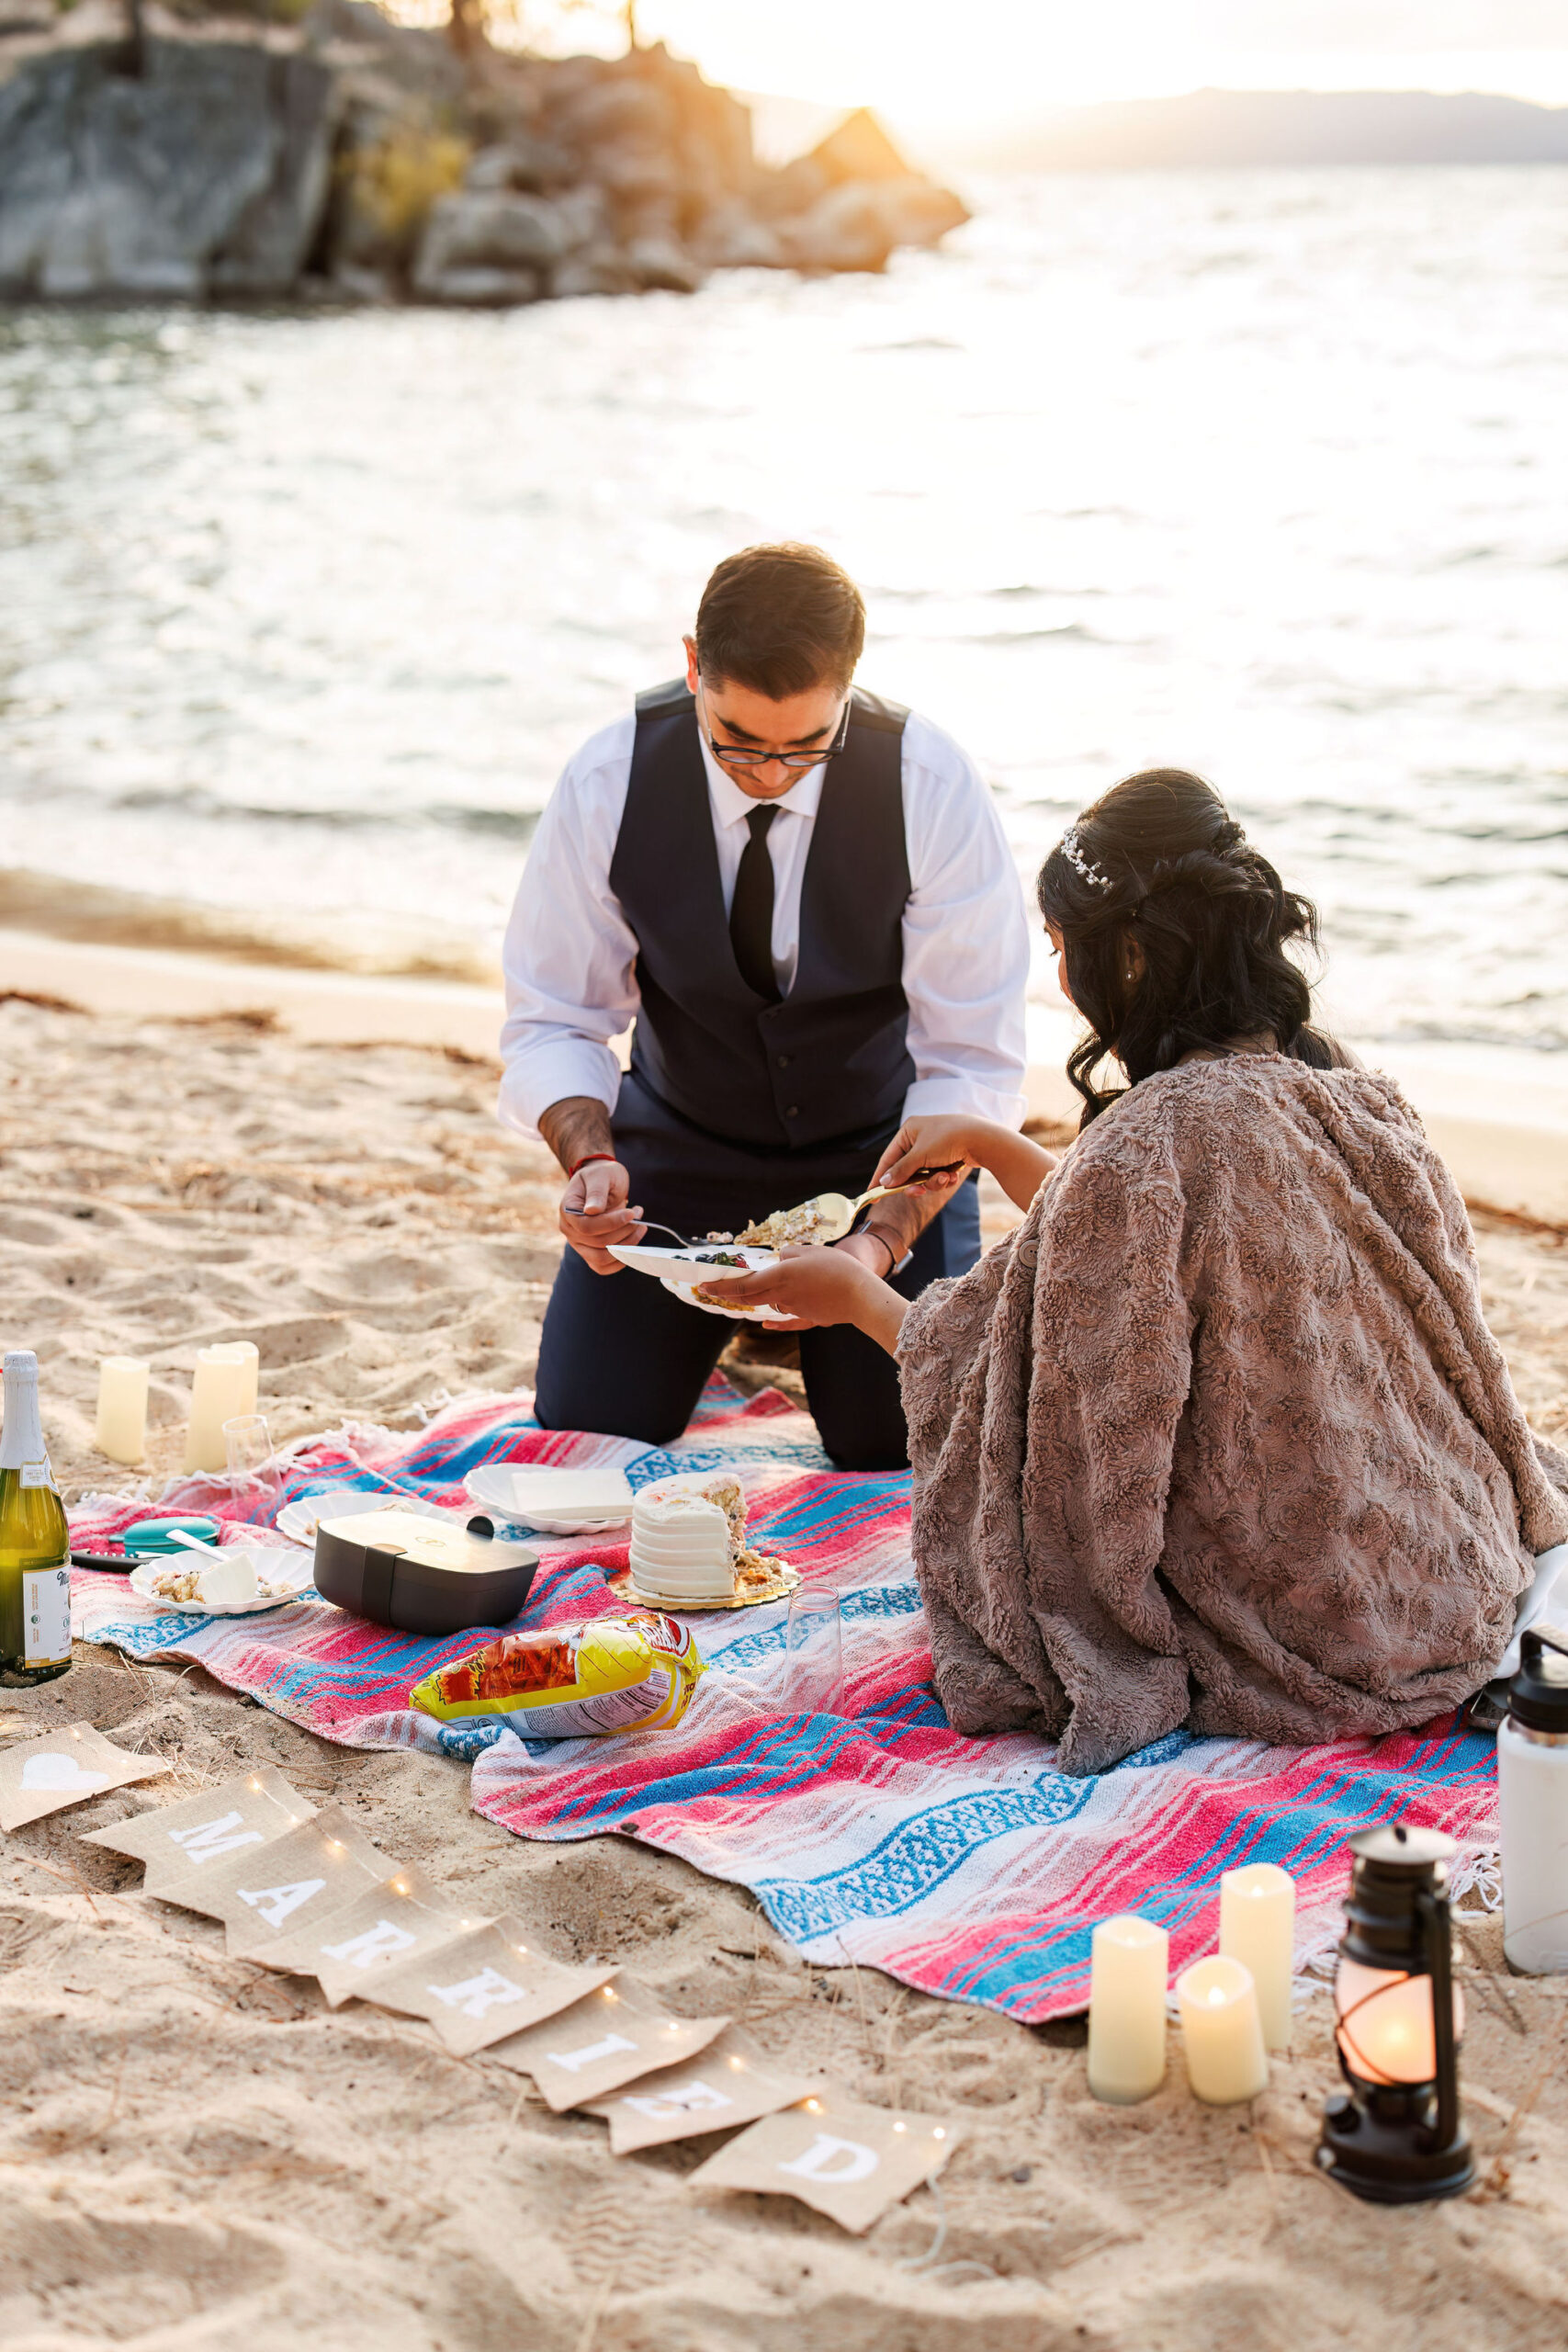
<point x="802" y="896"/>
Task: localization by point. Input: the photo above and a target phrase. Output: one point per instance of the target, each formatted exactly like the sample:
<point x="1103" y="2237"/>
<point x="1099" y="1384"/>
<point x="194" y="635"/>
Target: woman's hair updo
<point x="1158" y="860"/>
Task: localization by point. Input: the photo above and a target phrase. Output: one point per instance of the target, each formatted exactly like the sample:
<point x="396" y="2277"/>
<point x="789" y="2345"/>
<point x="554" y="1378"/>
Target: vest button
<point x="785" y="1060"/>
<point x="792" y="1111"/>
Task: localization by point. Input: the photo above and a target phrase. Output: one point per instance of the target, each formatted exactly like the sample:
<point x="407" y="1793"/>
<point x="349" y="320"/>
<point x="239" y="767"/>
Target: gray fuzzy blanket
<point x="1219" y="1436"/>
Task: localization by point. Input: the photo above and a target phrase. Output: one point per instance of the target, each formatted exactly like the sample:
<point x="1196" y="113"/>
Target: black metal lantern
<point x="1397" y="2138"/>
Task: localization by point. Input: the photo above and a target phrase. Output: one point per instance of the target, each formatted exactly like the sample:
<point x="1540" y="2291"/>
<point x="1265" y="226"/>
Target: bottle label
<point x="37" y="1473"/>
<point x="46" y="1616"/>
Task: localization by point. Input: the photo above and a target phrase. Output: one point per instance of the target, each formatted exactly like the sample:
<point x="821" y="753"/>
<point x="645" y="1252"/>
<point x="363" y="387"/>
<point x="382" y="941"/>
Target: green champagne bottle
<point x="35" y="1542"/>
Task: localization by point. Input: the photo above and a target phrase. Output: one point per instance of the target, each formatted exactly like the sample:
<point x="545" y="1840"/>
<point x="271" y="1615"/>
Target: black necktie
<point x="752" y="909"/>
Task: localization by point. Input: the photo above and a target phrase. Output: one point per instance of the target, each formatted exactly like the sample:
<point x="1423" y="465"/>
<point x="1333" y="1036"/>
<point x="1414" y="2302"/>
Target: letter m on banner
<point x="207" y="1840"/>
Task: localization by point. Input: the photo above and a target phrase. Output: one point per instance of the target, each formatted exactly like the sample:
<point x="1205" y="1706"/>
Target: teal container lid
<point x="155" y="1534"/>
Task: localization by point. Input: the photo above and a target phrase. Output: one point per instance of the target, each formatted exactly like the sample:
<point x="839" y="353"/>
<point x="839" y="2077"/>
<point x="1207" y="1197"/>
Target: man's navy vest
<point x="831" y="1059"/>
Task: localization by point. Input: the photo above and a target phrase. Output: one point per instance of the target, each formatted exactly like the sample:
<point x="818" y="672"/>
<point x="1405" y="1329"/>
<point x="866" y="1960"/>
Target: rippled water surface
<point x="1262" y="473"/>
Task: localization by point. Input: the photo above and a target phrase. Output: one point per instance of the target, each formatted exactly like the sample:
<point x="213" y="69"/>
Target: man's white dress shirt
<point x="570" y="955"/>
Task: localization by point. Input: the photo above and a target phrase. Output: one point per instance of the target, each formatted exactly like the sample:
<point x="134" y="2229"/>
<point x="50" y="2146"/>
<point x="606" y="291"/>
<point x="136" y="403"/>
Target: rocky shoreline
<point x="344" y="158"/>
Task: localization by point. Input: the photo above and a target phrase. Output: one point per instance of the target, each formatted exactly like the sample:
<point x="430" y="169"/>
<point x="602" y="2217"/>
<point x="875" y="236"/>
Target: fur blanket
<point x="1219" y="1435"/>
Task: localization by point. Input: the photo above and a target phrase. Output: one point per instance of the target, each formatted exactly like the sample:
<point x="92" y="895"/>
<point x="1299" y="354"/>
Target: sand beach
<point x="194" y="2154"/>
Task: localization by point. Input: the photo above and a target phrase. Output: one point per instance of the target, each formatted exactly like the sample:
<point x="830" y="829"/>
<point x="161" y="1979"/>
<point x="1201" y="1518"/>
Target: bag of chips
<point x="631" y="1673"/>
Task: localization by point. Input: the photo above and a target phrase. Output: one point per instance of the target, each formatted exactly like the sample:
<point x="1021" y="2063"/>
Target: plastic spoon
<point x="194" y="1543"/>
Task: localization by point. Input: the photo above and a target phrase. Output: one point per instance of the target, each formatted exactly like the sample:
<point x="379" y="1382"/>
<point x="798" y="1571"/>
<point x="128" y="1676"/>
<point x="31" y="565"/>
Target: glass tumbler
<point x="814" y="1654"/>
<point x="253" y="1469"/>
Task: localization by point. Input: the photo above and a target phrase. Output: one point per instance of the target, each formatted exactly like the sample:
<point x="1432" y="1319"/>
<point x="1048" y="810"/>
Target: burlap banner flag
<point x="65" y="1768"/>
<point x="483" y="1985"/>
<point x="616" y="2034"/>
<point x="732" y="2083"/>
<point x="259" y="1892"/>
<point x="174" y="1840"/>
<point x="851" y="2162"/>
<point x="351" y="1949"/>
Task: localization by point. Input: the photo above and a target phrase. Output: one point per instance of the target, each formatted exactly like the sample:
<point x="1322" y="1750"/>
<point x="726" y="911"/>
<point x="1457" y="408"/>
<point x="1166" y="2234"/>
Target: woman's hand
<point x="814" y="1287"/>
<point x="939" y="1140"/>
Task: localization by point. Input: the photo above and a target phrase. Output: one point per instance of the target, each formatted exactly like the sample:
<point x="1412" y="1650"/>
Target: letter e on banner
<point x="695" y="2098"/>
<point x="830" y="2159"/>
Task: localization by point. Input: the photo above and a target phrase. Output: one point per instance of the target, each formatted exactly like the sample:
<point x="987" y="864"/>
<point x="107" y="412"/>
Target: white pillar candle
<point x="122" y="1430"/>
<point x="224" y="1387"/>
<point x="1128" y="1963"/>
<point x="247" y="1355"/>
<point x="1226" y="2057"/>
<point x="1257" y="1927"/>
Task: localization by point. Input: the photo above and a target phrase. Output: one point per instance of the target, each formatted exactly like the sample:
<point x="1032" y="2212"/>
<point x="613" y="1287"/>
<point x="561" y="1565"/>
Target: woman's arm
<point x="1019" y="1166"/>
<point x="819" y="1286"/>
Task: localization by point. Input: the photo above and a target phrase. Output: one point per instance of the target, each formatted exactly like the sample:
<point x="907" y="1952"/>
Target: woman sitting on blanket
<point x="1218" y="1435"/>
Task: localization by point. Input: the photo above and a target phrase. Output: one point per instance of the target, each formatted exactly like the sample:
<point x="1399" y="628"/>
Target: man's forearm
<point x="575" y="1127"/>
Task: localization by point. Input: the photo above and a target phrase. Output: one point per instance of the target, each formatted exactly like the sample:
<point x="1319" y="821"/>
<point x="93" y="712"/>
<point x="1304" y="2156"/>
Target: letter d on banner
<point x="821" y="2161"/>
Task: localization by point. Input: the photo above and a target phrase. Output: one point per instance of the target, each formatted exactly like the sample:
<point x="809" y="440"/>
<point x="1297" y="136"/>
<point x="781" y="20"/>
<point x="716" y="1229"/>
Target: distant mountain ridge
<point x="1253" y="128"/>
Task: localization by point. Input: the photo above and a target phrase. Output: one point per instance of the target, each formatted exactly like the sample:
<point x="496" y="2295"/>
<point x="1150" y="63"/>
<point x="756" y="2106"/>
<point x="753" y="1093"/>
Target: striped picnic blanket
<point x="968" y="1868"/>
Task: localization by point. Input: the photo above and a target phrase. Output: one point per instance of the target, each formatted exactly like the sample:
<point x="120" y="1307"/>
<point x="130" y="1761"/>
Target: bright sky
<point x="937" y="63"/>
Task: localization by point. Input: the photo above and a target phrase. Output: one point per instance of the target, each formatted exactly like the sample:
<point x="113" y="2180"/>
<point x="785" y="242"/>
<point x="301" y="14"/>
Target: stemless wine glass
<point x="814" y="1653"/>
<point x="253" y="1469"/>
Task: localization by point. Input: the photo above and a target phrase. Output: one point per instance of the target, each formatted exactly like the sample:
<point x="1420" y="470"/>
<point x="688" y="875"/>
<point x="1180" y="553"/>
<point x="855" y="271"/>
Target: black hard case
<point x="377" y="1570"/>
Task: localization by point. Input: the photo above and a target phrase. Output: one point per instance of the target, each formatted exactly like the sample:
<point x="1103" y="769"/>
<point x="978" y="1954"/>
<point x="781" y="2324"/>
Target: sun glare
<point x="923" y="64"/>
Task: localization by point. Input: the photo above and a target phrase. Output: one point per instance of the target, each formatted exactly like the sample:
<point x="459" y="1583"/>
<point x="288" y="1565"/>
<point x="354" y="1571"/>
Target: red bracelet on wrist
<point x="584" y="1161"/>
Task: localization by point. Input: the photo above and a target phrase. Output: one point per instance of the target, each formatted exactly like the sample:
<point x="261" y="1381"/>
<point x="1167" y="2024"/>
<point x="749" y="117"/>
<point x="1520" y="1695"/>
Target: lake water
<point x="1261" y="473"/>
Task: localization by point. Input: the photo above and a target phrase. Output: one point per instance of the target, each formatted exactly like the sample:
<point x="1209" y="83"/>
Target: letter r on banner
<point x="821" y="2161"/>
<point x="207" y="1840"/>
<point x="376" y="1943"/>
<point x="478" y="1993"/>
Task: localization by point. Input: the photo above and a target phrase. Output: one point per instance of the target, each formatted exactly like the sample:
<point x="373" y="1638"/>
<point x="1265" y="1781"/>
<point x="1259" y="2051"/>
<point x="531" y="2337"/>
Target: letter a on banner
<point x="274" y="1903"/>
<point x="840" y="2161"/>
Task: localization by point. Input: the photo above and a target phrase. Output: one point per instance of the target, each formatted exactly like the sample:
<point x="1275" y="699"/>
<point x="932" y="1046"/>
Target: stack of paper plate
<point x="556" y="1501"/>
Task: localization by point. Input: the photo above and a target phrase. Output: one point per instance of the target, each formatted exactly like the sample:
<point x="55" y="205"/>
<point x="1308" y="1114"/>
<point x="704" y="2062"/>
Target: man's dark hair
<point x="779" y="620"/>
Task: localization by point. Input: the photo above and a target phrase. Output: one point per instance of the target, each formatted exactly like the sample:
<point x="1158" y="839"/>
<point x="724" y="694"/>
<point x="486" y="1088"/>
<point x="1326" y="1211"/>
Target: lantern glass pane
<point x="1384" y="2023"/>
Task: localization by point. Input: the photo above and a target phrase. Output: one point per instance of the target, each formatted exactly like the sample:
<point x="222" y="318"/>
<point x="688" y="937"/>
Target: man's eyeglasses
<point x="735" y="756"/>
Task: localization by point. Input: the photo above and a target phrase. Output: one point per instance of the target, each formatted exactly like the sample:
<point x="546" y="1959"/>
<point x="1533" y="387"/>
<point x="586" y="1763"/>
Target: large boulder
<point x="522" y="165"/>
<point x="845" y="230"/>
<point x="494" y="247"/>
<point x="206" y="174"/>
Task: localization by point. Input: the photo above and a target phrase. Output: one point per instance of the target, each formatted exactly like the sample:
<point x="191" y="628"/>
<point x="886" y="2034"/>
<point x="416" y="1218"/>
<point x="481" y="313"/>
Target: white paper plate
<point x="493" y="1486"/>
<point x="731" y="1314"/>
<point x="682" y="1272"/>
<point x="299" y="1520"/>
<point x="646" y="1260"/>
<point x="275" y="1563"/>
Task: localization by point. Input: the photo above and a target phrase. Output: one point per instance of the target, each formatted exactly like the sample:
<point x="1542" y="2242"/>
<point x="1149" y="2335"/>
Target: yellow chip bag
<point x="631" y="1673"/>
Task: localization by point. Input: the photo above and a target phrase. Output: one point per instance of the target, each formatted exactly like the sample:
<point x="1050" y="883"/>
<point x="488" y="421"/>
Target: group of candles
<point x="1234" y="2007"/>
<point x="224" y="1389"/>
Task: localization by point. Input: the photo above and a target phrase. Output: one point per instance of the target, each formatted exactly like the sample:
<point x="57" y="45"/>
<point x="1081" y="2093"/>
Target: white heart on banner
<point x="52" y="1771"/>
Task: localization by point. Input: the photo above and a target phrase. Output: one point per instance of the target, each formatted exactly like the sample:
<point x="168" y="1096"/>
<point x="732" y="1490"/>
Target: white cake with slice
<point x="681" y="1549"/>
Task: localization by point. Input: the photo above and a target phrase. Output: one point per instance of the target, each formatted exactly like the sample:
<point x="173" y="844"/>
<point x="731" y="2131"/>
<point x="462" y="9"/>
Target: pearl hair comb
<point x="1095" y="875"/>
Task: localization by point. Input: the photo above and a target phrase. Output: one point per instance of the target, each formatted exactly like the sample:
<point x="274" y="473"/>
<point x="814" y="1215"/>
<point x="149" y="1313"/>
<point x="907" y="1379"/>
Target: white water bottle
<point x="1532" y="1794"/>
